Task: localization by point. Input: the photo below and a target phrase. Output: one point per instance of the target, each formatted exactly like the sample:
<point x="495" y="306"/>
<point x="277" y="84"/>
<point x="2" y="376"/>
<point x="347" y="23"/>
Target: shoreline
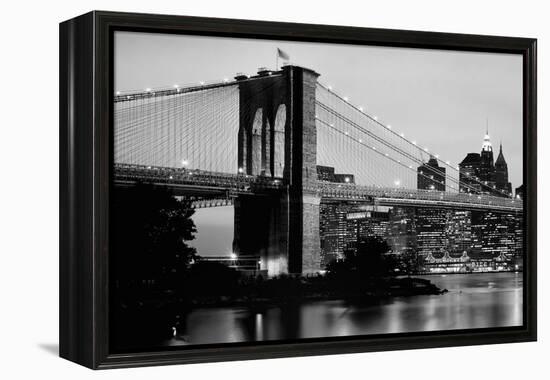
<point x="393" y="287"/>
<point x="466" y="273"/>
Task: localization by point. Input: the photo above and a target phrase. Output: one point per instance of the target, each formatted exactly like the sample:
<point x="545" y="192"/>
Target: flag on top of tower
<point x="282" y="54"/>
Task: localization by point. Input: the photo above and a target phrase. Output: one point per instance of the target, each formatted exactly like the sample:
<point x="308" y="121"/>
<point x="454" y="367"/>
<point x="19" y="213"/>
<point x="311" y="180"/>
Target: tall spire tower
<point x="487" y="146"/>
<point x="487" y="167"/>
<point x="501" y="175"/>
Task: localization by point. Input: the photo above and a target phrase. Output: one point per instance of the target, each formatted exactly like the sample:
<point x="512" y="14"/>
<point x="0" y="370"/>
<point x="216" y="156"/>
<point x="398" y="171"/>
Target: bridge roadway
<point x="225" y="185"/>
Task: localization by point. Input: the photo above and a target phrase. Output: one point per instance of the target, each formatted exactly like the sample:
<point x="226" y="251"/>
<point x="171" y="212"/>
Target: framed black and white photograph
<point x="239" y="189"/>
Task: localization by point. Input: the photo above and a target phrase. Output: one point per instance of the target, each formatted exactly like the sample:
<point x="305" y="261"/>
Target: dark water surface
<point x="473" y="301"/>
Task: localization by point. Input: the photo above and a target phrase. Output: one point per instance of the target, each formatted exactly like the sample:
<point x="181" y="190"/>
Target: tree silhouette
<point x="363" y="266"/>
<point x="151" y="228"/>
<point x="149" y="258"/>
<point x="369" y="258"/>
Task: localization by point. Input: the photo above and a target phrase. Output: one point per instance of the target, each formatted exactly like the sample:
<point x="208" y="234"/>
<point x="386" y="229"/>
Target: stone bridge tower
<point x="278" y="139"/>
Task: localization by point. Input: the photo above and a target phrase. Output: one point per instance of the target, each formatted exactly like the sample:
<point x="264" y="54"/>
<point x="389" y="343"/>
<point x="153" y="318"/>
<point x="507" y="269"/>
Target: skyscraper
<point x="469" y="173"/>
<point x="459" y="233"/>
<point x="333" y="222"/>
<point x="431" y="232"/>
<point x="402" y="230"/>
<point x="333" y="230"/>
<point x="501" y="175"/>
<point x="430" y="176"/>
<point x="494" y="235"/>
<point x="486" y="164"/>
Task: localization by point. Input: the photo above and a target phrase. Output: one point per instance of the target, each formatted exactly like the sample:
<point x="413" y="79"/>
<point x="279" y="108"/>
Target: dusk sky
<point x="442" y="99"/>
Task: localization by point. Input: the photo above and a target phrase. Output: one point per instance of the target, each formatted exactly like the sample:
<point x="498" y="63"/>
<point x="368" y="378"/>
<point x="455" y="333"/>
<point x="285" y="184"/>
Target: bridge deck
<point x="424" y="198"/>
<point x="182" y="180"/>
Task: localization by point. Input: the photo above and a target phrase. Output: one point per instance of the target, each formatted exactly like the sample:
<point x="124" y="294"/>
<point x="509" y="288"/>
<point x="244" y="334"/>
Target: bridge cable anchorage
<point x="360" y="111"/>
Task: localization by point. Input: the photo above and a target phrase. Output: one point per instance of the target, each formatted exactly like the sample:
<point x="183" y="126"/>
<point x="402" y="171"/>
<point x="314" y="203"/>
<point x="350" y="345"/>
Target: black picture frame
<point x="86" y="88"/>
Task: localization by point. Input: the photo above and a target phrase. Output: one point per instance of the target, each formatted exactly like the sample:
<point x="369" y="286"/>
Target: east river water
<point x="473" y="301"/>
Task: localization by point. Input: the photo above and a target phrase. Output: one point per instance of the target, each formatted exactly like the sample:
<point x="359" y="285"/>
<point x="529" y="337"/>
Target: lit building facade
<point x="494" y="235"/>
<point x="365" y="221"/>
<point x="402" y="230"/>
<point x="459" y="233"/>
<point x="333" y="231"/>
<point x="431" y="230"/>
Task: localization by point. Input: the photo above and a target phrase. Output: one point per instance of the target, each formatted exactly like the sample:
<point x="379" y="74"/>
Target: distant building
<point x="333" y="226"/>
<point x="431" y="176"/>
<point x="480" y="174"/>
<point x="487" y="165"/>
<point x="495" y="236"/>
<point x="364" y="222"/>
<point x="501" y="175"/>
<point x="459" y="233"/>
<point x="402" y="230"/>
<point x="333" y="231"/>
<point x="326" y="173"/>
<point x="342" y="225"/>
<point x="520" y="192"/>
<point x="431" y="233"/>
<point x="518" y="256"/>
<point x="469" y="173"/>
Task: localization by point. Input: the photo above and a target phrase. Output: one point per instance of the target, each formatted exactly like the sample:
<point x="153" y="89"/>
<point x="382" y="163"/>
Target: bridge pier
<point x="283" y="230"/>
<point x="260" y="229"/>
<point x="304" y="238"/>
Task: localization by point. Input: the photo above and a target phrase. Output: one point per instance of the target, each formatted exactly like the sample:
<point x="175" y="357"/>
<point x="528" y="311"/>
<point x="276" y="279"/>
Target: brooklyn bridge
<point x="257" y="143"/>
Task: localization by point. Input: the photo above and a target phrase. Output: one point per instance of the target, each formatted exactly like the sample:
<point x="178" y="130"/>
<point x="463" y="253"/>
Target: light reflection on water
<point x="473" y="301"/>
